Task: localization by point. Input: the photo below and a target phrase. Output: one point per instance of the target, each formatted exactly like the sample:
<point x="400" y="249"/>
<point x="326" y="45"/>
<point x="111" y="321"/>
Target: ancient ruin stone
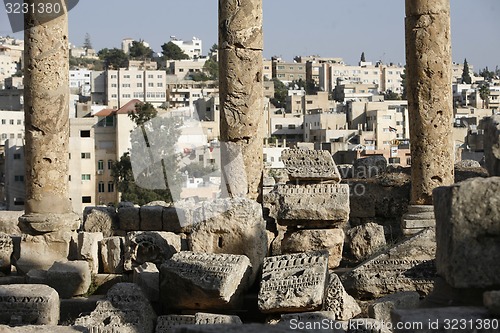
<point x="367" y="325"/>
<point x="338" y="301"/>
<point x="129" y="218"/>
<point x="364" y="240"/>
<point x="70" y="278"/>
<point x="467" y="164"/>
<point x="168" y="323"/>
<point x="35" y="223"/>
<point x="151" y="217"/>
<point x="203" y="281"/>
<point x="293" y="282"/>
<point x="492" y="145"/>
<point x="307" y="240"/>
<point x="179" y="218"/>
<point x="112" y="254"/>
<point x="315" y="321"/>
<point x="24" y="304"/>
<point x="100" y="219"/>
<point x="147" y="276"/>
<point x="149" y="246"/>
<point x="491" y="301"/>
<point x="9" y="222"/>
<point x="468" y="233"/>
<point x="315" y="205"/>
<point x="213" y="319"/>
<point x="236" y="328"/>
<point x="408" y="266"/>
<point x="305" y="164"/>
<point x="39" y="329"/>
<point x="369" y="167"/>
<point x="125" y="309"/>
<point x="36" y="276"/>
<point x="6" y="250"/>
<point x="88" y="249"/>
<point x="232" y="226"/>
<point x="418" y="218"/>
<point x="382" y="307"/>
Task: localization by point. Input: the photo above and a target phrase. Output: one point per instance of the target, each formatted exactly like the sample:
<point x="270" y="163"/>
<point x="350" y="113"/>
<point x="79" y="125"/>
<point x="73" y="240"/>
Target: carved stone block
<point x="203" y="281"/>
<point x="100" y="219"/>
<point x="338" y="301"/>
<point x="112" y="254"/>
<point x="71" y="278"/>
<point x="6" y="250"/>
<point x="293" y="282"/>
<point x="88" y="249"/>
<point x="168" y="323"/>
<point x="305" y="164"/>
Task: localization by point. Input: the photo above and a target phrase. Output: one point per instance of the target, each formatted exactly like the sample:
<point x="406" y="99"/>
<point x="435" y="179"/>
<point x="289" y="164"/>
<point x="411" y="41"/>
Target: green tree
<point x="484" y="92"/>
<point x="197" y="170"/>
<point x="113" y="58"/>
<point x="87" y="44"/>
<point x="466" y="73"/>
<point x="363" y="59"/>
<point x="404" y="83"/>
<point x="280" y="94"/>
<point x="390" y="95"/>
<point x="211" y="67"/>
<point x="487" y="74"/>
<point x="171" y="51"/>
<point x="140" y="51"/>
<point x="213" y="49"/>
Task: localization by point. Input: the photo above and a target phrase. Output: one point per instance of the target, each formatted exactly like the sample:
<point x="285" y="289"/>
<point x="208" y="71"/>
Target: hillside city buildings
<point x="350" y="110"/>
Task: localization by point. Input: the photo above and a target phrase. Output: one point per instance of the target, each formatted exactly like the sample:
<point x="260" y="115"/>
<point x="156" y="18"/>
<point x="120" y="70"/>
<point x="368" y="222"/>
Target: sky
<point x="329" y="28"/>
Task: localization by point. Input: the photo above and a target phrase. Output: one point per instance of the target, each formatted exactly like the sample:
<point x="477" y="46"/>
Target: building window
<point x="3" y="121"/>
<point x="138" y="76"/>
<point x="85" y="155"/>
<point x="86" y="199"/>
<point x="151" y="84"/>
<point x="19" y="135"/>
<point x="100" y="187"/>
<point x="126" y="76"/>
<point x="139" y="85"/>
<point x="4" y="136"/>
<point x="85" y="134"/>
<point x="291" y="126"/>
<point x="159" y="84"/>
<point x="19" y="121"/>
<point x="150" y="76"/>
<point x="17" y="156"/>
<point x="111" y="187"/>
<point x="12" y="135"/>
<point x="19" y="178"/>
<point x="278" y="126"/>
<point x="86" y="176"/>
<point x="100" y="165"/>
<point x="110" y="164"/>
<point x="11" y="121"/>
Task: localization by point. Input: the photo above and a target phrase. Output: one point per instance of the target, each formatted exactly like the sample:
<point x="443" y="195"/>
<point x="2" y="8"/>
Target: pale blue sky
<point x="330" y="28"/>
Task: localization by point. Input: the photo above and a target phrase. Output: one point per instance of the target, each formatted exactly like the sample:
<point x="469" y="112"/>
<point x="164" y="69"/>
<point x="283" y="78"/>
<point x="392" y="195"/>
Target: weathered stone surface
<point x="492" y="145"/>
<point x="112" y="254"/>
<point x="338" y="301"/>
<point x="147" y="276"/>
<point x="42" y="329"/>
<point x="36" y="276"/>
<point x="180" y="217"/>
<point x="129" y="218"/>
<point x="307" y="240"/>
<point x="466" y="164"/>
<point x="125" y="309"/>
<point x="364" y="240"/>
<point x="408" y="266"/>
<point x="232" y="226"/>
<point x="6" y="250"/>
<point x="70" y="278"/>
<point x="317" y="321"/>
<point x="448" y="319"/>
<point x="35" y="223"/>
<point x="382" y="307"/>
<point x="491" y="300"/>
<point x="151" y="217"/>
<point x="100" y="219"/>
<point x="315" y="205"/>
<point x="149" y="246"/>
<point x="88" y="249"/>
<point x="214" y="319"/>
<point x="250" y="328"/>
<point x="418" y="218"/>
<point x="468" y="233"/>
<point x="293" y="282"/>
<point x="169" y="323"/>
<point x="203" y="281"/>
<point x="28" y="304"/>
<point x="367" y="325"/>
<point x="305" y="164"/>
<point x="369" y="167"/>
<point x="9" y="221"/>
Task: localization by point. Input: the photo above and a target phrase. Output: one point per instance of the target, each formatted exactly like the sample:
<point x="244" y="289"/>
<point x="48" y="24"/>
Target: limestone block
<point x="151" y="218"/>
<point x="28" y="304"/>
<point x="100" y="219"/>
<point x="179" y="218"/>
<point x="236" y="328"/>
<point x="213" y="319"/>
<point x="316" y="321"/>
<point x="9" y="221"/>
<point x="364" y="240"/>
<point x="169" y="323"/>
<point x="36" y="276"/>
<point x="315" y="205"/>
<point x="307" y="240"/>
<point x="88" y="249"/>
<point x="491" y="300"/>
<point x="147" y="276"/>
<point x="232" y="226"/>
<point x="70" y="278"/>
<point x="129" y="218"/>
<point x="48" y="223"/>
<point x="125" y="310"/>
<point x="305" y="164"/>
<point x="203" y="281"/>
<point x="492" y="145"/>
<point x="466" y="164"/>
<point x="468" y="233"/>
<point x="149" y="246"/>
<point x="112" y="254"/>
<point x="293" y="282"/>
<point x="369" y="167"/>
<point x="338" y="301"/>
<point x="408" y="266"/>
<point x="40" y="329"/>
<point x="6" y="250"/>
<point x="382" y="307"/>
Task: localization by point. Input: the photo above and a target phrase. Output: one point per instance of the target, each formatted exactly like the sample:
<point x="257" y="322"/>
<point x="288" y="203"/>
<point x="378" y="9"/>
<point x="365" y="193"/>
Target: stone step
<point x="416" y="209"/>
<point x="421" y="223"/>
<point x="419" y="216"/>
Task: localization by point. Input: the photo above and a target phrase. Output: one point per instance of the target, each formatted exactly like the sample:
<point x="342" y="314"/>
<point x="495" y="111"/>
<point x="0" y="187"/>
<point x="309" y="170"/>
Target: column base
<point x="36" y="224"/>
<point x="418" y="218"/>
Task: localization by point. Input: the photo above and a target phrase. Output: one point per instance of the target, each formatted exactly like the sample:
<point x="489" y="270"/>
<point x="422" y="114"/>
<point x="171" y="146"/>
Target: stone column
<point x="46" y="100"/>
<point x="241" y="91"/>
<point x="428" y="61"/>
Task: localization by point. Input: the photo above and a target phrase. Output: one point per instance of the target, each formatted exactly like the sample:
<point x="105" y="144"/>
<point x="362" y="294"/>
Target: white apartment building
<point x="14" y="177"/>
<point x="391" y="78"/>
<point x="333" y="74"/>
<point x="80" y="82"/>
<point x="193" y="48"/>
<point x="11" y="126"/>
<point x="183" y="68"/>
<point x="183" y="93"/>
<point x="8" y="67"/>
<point x="389" y="121"/>
<point x="322" y="127"/>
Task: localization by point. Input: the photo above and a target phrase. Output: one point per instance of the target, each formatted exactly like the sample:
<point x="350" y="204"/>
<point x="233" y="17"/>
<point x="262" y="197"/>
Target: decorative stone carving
<point x="23" y="304"/>
<point x="468" y="233"/>
<point x="112" y="254"/>
<point x="6" y="250"/>
<point x="203" y="281"/>
<point x="71" y="278"/>
<point x="338" y="301"/>
<point x="168" y="324"/>
<point x="149" y="246"/>
<point x="125" y="309"/>
<point x="408" y="266"/>
<point x="293" y="282"/>
<point x="305" y="164"/>
<point x="366" y="239"/>
<point x="100" y="219"/>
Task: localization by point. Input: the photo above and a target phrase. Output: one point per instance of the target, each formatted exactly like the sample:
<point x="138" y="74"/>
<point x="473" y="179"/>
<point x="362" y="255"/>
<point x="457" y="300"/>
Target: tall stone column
<point x="241" y="91"/>
<point x="48" y="219"/>
<point x="428" y="61"/>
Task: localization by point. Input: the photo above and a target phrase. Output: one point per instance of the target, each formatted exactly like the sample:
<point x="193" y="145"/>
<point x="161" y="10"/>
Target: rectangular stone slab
<point x="294" y="282"/>
<point x="305" y="164"/>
